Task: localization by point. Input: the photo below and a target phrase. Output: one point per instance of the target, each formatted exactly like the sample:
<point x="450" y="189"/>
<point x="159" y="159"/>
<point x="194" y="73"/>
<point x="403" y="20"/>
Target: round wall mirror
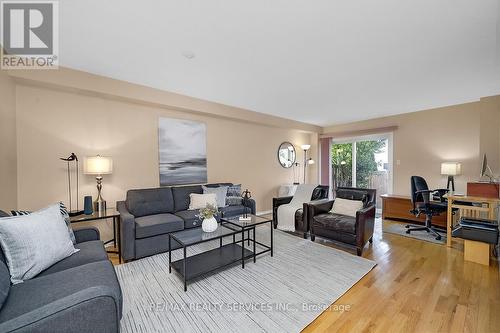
<point x="286" y="154"/>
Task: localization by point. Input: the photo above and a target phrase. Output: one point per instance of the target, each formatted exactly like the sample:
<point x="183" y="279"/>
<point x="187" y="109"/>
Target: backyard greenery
<point x="365" y="162"/>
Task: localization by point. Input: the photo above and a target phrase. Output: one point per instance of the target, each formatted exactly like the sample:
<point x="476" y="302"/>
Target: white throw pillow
<point x="198" y="201"/>
<point x="32" y="243"/>
<point x="346" y="207"/>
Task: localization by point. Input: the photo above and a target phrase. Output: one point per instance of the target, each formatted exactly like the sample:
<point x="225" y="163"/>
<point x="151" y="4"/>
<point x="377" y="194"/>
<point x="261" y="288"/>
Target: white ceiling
<point x="318" y="61"/>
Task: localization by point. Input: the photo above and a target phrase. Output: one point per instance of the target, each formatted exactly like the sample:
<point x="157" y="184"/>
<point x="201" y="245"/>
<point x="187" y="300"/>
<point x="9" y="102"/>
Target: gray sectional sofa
<point x="149" y="215"/>
<point x="78" y="294"/>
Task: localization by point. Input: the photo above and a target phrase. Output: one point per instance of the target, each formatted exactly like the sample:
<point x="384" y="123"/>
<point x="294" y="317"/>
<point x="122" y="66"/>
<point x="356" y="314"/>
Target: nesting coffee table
<point x="222" y="256"/>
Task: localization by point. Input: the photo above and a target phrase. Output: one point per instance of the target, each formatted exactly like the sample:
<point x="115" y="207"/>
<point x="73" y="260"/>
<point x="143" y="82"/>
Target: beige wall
<point x="8" y="172"/>
<point x="52" y="123"/>
<point x="425" y="139"/>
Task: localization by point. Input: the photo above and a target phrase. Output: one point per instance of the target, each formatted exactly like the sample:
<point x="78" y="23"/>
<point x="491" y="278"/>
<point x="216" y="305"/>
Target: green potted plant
<point x="207" y="215"/>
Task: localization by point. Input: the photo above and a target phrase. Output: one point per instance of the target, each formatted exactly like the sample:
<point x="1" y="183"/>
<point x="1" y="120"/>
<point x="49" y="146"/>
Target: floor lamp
<point x="307" y="161"/>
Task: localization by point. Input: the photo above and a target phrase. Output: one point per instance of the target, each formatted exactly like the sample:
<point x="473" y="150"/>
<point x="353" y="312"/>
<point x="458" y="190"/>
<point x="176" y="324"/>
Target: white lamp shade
<point x="451" y="168"/>
<point x="305" y="147"/>
<point x="97" y="165"/>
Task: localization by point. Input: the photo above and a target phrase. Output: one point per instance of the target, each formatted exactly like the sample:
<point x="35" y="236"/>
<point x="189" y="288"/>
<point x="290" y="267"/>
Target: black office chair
<point x="422" y="204"/>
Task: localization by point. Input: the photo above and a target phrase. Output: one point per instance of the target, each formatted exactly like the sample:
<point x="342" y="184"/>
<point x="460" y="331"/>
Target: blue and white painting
<point x="183" y="151"/>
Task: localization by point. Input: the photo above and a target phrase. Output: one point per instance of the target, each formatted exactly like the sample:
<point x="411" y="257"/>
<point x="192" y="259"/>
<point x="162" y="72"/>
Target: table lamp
<point x="451" y="169"/>
<point x="98" y="165"/>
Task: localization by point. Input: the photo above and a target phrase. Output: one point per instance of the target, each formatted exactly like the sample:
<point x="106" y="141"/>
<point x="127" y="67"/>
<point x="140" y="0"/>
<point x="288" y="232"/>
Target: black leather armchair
<point x="348" y="231"/>
<point x="301" y="219"/>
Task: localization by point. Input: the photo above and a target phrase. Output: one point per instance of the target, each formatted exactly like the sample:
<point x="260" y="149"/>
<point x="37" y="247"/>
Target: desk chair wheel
<point x="407" y="231"/>
<point x="438" y="238"/>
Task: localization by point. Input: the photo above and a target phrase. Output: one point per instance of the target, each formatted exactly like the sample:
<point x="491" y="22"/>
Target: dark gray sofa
<point x="78" y="294"/>
<point x="149" y="215"/>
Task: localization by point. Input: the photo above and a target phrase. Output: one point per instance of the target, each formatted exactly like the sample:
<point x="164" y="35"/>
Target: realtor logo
<point x="29" y="34"/>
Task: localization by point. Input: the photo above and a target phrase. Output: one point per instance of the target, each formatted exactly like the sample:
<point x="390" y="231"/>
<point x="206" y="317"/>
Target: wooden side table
<point x="110" y="213"/>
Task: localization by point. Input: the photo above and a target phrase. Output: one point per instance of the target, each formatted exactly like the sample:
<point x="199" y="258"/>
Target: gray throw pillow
<point x="32" y="243"/>
<point x="234" y="195"/>
<point x="220" y="193"/>
<point x="64" y="214"/>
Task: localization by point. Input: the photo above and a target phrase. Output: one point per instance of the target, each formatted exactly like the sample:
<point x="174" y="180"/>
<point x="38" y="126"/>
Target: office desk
<point x="486" y="210"/>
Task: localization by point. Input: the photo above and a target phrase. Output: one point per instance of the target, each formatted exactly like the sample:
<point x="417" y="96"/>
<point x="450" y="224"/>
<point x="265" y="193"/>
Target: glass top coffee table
<point x="225" y="255"/>
<point x="194" y="266"/>
<point x="249" y="225"/>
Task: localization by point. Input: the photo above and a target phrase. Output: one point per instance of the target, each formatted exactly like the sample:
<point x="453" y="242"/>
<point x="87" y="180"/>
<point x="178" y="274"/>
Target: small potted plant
<point x="207" y="215"/>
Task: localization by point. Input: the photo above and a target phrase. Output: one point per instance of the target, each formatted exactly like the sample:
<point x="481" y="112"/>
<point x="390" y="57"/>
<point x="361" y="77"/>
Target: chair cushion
<point x="152" y="225"/>
<point x="150" y="201"/>
<point x="189" y="217"/>
<point x="346" y="207"/>
<point x="337" y="222"/>
<point x="229" y="211"/>
<point x="181" y="196"/>
<point x="35" y="293"/>
<point x="92" y="251"/>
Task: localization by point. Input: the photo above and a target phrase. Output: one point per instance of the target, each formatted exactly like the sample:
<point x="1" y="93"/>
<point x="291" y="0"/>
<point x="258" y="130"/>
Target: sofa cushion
<point x="64" y="214"/>
<point x="190" y="218"/>
<point x="199" y="201"/>
<point x="32" y="243"/>
<point x="220" y="192"/>
<point x="35" y="293"/>
<point x="3" y="214"/>
<point x="152" y="225"/>
<point x="218" y="185"/>
<point x="4" y="283"/>
<point x="230" y="211"/>
<point x="150" y="201"/>
<point x="92" y="251"/>
<point x="336" y="222"/>
<point x="181" y="196"/>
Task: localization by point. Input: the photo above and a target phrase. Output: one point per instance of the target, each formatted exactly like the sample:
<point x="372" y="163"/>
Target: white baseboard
<point x="264" y="212"/>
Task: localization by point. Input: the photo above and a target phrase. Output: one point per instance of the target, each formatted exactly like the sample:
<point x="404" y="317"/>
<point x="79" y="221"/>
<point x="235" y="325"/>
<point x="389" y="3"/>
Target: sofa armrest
<point x="86" y="234"/>
<point x="278" y="201"/>
<point x="95" y="309"/>
<point x="365" y="223"/>
<point x="127" y="231"/>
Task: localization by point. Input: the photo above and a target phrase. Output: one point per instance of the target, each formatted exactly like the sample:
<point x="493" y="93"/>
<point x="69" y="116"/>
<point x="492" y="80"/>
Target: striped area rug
<point x="283" y="293"/>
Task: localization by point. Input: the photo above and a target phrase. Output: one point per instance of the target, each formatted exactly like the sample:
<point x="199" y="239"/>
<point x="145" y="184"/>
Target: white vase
<point x="209" y="225"/>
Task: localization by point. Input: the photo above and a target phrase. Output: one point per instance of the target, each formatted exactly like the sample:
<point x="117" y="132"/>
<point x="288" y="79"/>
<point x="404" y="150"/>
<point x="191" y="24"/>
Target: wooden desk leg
<point x="449" y="222"/>
<point x="491" y="211"/>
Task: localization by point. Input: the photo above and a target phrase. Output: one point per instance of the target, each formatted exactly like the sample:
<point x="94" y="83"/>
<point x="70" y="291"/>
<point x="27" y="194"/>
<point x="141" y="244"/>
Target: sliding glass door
<point x="364" y="162"/>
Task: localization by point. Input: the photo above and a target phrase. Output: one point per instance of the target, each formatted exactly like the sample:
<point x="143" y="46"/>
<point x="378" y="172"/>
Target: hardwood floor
<point x="416" y="286"/>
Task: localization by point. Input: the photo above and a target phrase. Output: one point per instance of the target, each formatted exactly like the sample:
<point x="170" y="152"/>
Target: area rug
<point x="400" y="229"/>
<point x="283" y="293"/>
